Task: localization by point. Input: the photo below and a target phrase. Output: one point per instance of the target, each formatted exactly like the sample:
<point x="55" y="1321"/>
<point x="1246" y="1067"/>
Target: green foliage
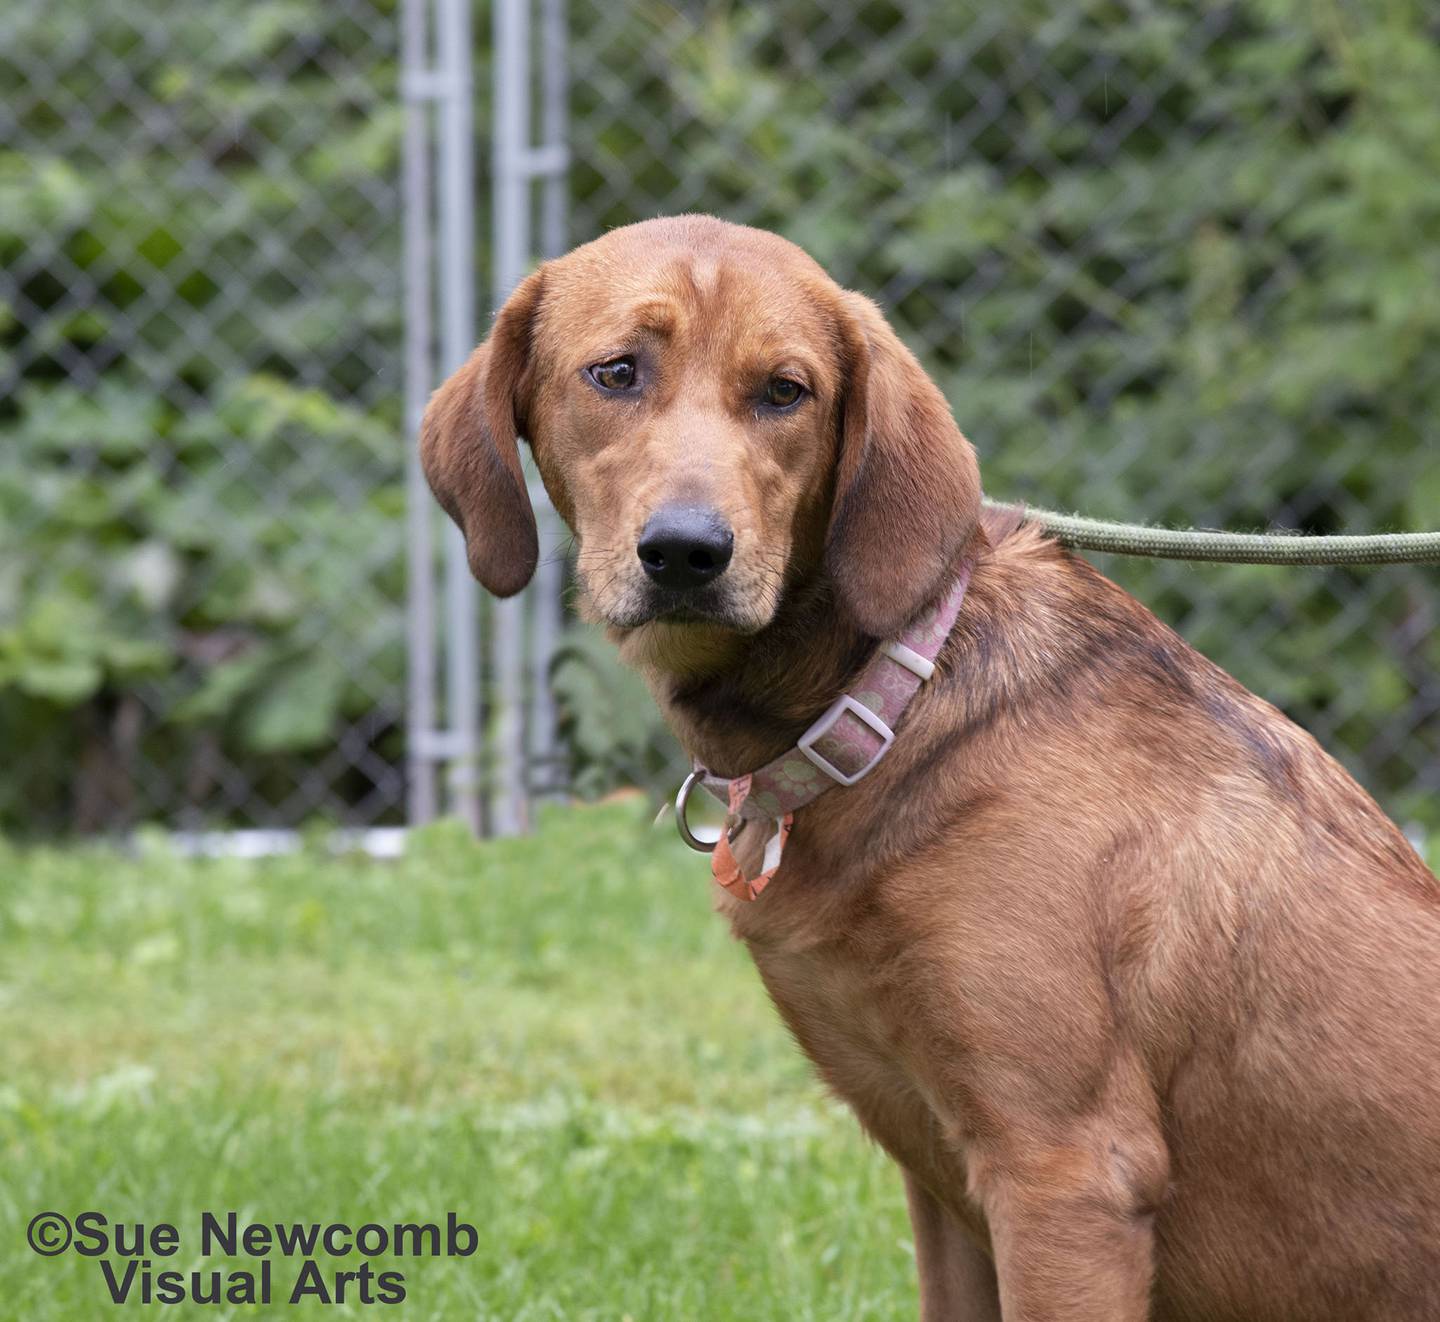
<point x="555" y="1037"/>
<point x="200" y="494"/>
<point x="1167" y="261"/>
<point x="608" y="721"/>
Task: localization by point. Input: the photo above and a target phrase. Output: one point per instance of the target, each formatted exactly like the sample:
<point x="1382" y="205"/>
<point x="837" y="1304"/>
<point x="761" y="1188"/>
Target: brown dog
<point x="1138" y="987"/>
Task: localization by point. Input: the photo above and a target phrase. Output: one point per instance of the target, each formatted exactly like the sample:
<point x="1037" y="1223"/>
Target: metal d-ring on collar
<point x="682" y="802"/>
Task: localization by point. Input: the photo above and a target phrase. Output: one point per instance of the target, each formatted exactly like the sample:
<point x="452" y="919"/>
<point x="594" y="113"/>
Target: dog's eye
<point x="617" y="374"/>
<point x="782" y="393"/>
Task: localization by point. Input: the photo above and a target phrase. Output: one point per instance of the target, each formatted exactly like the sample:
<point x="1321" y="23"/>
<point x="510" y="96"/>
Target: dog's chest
<point x="859" y="1028"/>
<point x="840" y="1018"/>
<point x="825" y="968"/>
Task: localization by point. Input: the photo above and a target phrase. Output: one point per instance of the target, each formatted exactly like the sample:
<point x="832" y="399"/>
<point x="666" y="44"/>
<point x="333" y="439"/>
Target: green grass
<point x="553" y="1037"/>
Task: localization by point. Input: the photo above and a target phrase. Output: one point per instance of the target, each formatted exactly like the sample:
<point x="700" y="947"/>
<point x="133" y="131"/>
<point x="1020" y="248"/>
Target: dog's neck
<point x="739" y="702"/>
<point x="736" y="702"/>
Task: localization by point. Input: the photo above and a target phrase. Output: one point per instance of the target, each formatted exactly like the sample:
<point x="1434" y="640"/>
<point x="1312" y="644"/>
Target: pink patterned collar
<point x="841" y="748"/>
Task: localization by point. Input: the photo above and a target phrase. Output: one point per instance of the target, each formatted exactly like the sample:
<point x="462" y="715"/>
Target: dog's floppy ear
<point x="469" y="452"/>
<point x="907" y="485"/>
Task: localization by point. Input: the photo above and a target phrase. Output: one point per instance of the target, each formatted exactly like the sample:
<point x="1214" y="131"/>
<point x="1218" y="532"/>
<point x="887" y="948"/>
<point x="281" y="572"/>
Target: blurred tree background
<point x="1173" y="261"/>
<point x="201" y="565"/>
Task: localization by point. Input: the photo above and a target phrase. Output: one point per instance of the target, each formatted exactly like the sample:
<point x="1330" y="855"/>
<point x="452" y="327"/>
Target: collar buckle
<point x="840" y="707"/>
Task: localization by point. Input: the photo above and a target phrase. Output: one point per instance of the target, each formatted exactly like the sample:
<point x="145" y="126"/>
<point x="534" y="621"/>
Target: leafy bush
<point x="608" y="723"/>
<point x="200" y="494"/>
<point x="1167" y="261"/>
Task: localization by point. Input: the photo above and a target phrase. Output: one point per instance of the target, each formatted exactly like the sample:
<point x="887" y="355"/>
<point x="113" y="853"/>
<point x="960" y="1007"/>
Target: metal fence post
<point x="511" y="254"/>
<point x="457" y="338"/>
<point x="525" y="630"/>
<point x="548" y="614"/>
<point x="421" y="804"/>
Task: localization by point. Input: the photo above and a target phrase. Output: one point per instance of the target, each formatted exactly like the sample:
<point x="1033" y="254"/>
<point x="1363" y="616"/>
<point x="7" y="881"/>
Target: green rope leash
<point x="1400" y="548"/>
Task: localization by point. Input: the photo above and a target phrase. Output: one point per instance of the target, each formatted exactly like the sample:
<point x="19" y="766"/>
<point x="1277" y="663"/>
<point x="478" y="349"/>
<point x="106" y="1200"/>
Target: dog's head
<point x="717" y="421"/>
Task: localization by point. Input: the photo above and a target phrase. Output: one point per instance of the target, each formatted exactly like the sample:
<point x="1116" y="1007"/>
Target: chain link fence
<point x="201" y="503"/>
<point x="1168" y="262"/>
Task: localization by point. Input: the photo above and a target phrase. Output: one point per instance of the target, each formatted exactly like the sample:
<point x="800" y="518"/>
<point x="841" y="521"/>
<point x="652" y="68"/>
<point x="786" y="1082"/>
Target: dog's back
<point x="1103" y="849"/>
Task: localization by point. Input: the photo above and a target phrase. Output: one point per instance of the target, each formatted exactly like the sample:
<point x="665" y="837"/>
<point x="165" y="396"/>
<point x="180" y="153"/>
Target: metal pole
<point x="554" y="121"/>
<point x="457" y="338"/>
<point x="548" y="612"/>
<point x="421" y="803"/>
<point x="511" y="223"/>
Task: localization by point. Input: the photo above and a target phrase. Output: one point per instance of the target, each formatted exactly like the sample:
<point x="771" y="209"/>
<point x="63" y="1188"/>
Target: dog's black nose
<point x="685" y="546"/>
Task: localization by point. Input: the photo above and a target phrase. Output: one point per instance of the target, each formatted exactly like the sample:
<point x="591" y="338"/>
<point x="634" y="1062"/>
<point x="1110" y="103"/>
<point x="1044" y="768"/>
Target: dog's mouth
<point x="689" y="633"/>
<point x="686" y="640"/>
<point x="710" y="606"/>
<point x="735" y="604"/>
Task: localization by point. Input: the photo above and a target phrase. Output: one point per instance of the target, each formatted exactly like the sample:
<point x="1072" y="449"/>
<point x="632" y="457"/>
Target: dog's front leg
<point x="1072" y="1243"/>
<point x="957" y="1280"/>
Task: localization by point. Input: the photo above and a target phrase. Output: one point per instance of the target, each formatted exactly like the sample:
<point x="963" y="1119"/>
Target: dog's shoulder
<point x="1082" y="650"/>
